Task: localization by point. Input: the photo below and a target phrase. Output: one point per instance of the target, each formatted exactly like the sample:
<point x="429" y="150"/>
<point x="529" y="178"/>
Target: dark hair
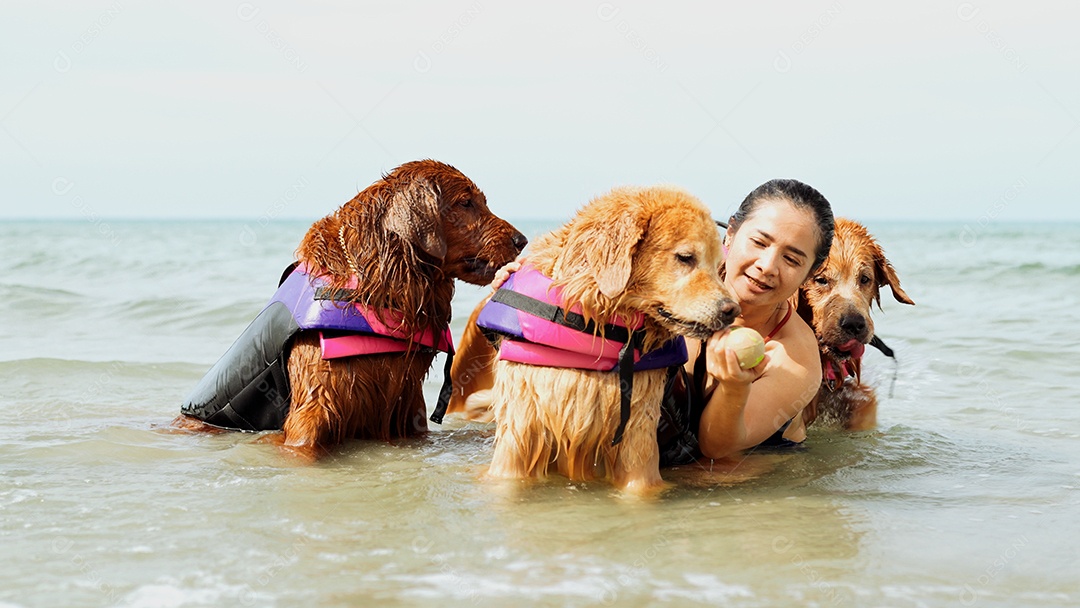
<point x="802" y="196"/>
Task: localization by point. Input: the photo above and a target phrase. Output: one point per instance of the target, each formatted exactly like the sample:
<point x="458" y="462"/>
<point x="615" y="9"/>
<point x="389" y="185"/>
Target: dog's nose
<point x="853" y="324"/>
<point x="728" y="311"/>
<point x="519" y="241"/>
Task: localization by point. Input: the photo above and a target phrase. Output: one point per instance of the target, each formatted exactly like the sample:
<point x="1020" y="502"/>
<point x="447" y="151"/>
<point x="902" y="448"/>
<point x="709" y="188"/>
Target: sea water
<point x="965" y="494"/>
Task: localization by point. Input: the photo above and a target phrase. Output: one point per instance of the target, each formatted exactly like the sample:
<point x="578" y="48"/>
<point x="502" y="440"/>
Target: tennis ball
<point x="747" y="344"/>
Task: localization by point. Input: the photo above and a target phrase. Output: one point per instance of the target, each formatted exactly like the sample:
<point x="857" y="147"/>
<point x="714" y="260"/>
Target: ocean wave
<point x="35" y="296"/>
<point x="32" y="366"/>
<point x="993" y="271"/>
<point x="1042" y="267"/>
<point x="188" y="313"/>
<point x="61" y="397"/>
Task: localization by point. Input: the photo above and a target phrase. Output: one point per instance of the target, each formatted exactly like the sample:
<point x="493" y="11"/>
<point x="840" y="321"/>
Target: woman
<point x="778" y="237"/>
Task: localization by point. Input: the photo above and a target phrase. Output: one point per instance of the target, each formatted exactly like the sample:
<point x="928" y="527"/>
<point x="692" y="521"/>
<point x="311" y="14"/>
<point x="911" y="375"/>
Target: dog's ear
<point x="886" y="275"/>
<point x="413" y="214"/>
<point x="609" y="250"/>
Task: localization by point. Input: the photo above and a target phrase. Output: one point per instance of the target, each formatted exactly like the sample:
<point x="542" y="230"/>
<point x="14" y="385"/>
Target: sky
<point x="262" y="110"/>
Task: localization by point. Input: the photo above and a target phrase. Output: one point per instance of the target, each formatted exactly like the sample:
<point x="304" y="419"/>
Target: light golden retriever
<point x="836" y="303"/>
<point x="652" y="251"/>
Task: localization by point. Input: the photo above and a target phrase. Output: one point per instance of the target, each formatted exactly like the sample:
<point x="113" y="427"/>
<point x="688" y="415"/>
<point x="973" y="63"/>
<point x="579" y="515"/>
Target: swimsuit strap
<point x="780" y="324"/>
<point x="680" y="445"/>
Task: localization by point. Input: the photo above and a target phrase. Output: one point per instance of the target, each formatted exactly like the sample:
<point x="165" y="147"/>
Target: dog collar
<point x="834" y="372"/>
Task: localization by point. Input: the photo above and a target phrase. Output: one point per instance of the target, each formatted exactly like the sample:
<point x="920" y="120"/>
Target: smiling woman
<point x="779" y="235"/>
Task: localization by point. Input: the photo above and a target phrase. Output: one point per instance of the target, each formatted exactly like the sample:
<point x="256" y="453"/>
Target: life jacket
<point x="248" y="388"/>
<point x="526" y="316"/>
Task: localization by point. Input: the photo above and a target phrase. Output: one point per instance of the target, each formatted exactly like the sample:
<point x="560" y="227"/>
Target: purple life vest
<point x="528" y="312"/>
<point x="541" y="335"/>
<point x="353" y="329"/>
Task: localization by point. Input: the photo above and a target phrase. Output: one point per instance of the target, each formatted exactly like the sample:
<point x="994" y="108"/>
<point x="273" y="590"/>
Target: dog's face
<point x="655" y="250"/>
<point x="840" y="293"/>
<point x="446" y="215"/>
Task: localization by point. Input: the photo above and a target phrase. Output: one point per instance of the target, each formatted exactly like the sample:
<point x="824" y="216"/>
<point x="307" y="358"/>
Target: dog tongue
<point x="853" y="348"/>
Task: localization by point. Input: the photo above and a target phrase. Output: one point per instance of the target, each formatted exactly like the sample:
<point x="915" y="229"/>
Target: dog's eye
<point x="685" y="258"/>
<point x="864" y="280"/>
<point x="467" y="203"/>
<point x="821" y="280"/>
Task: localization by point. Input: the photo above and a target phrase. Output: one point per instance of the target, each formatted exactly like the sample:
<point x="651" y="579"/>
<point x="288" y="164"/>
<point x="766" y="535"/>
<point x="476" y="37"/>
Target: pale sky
<point x="963" y="111"/>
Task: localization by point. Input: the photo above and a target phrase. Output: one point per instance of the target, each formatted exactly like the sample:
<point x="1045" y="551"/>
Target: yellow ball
<point x="747" y="344"/>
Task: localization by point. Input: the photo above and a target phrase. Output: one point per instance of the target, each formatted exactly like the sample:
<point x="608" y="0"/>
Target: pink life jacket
<point x="528" y="311"/>
<point x="541" y="340"/>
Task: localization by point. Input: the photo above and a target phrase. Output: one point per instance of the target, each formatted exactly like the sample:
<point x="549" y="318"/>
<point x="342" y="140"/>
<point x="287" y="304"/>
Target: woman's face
<point x="770" y="255"/>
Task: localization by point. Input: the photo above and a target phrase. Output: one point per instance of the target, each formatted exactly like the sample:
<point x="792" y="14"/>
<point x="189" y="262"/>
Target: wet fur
<point x="409" y="235"/>
<point x="473" y="372"/>
<point x="833" y="301"/>
<point x="615" y="258"/>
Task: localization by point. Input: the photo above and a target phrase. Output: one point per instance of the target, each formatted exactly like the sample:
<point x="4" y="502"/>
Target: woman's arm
<point x="745" y="407"/>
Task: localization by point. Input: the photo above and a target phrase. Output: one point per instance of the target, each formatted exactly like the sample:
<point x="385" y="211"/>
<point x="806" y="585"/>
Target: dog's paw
<point x="645" y="487"/>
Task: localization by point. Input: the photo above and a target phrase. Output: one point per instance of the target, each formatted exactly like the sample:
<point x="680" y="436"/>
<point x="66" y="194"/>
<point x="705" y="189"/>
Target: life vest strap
<point x="556" y="314"/>
<point x="631" y="339"/>
<point x="626" y="385"/>
<point x="339" y="295"/>
<point x="444" y="393"/>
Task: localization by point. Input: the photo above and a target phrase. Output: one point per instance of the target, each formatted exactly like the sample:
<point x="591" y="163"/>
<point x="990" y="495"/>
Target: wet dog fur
<point x="398" y="245"/>
<point x="836" y="301"/>
<point x="650" y="250"/>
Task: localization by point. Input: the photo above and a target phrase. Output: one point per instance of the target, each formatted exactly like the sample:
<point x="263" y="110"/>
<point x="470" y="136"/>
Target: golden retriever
<point x="648" y="252"/>
<point x="397" y="246"/>
<point x="836" y="302"/>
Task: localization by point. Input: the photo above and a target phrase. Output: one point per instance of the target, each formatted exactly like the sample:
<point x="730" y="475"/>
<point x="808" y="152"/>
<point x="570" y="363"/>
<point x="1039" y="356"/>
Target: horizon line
<point x="280" y="220"/>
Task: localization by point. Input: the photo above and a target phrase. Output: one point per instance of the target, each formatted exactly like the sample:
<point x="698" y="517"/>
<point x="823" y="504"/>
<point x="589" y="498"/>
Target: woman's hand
<point x="504" y="273"/>
<point x="723" y="364"/>
<point x="727" y="389"/>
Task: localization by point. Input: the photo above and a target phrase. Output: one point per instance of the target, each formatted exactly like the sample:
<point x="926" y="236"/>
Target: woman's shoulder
<point x="799" y="342"/>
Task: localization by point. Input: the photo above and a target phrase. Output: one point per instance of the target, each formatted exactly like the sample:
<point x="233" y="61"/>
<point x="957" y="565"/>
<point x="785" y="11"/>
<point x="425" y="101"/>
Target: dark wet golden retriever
<point x="397" y="246"/>
<point x="836" y="302"/>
